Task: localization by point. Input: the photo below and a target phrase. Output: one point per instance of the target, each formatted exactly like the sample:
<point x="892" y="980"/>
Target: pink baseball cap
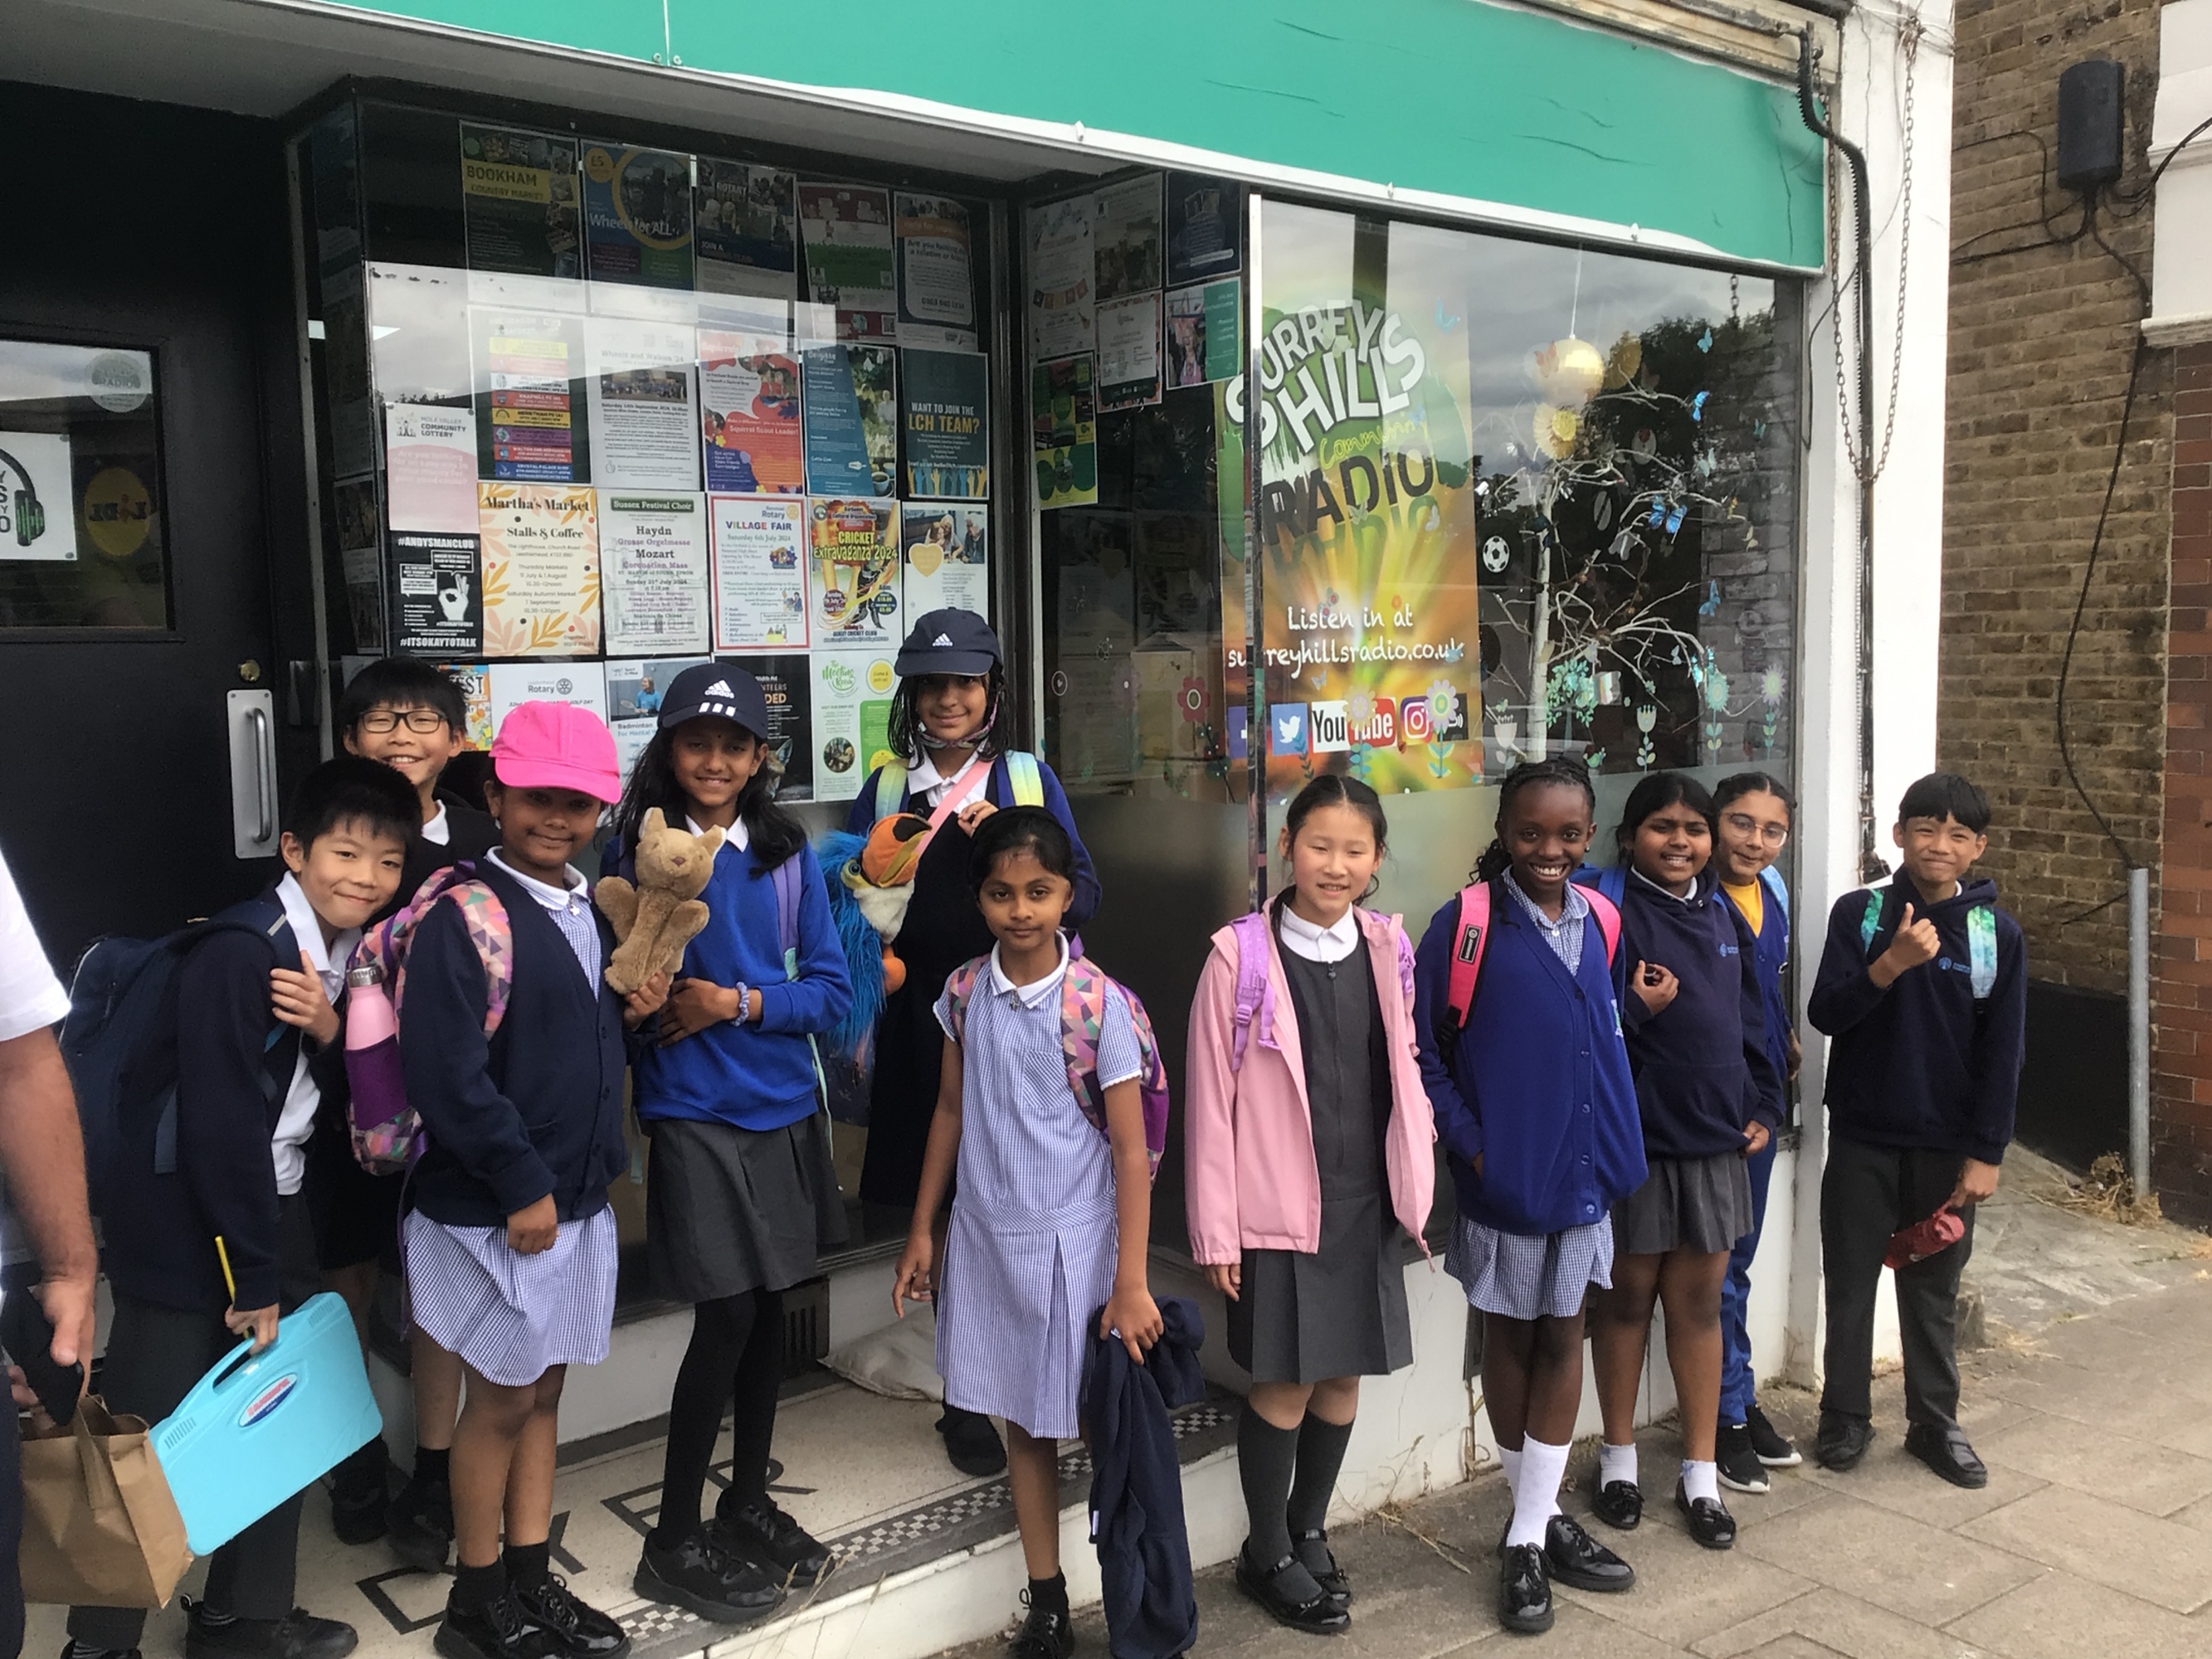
<point x="556" y="745"/>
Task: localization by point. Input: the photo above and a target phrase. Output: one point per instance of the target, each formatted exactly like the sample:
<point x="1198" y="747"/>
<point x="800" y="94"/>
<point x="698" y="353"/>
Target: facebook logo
<point x="1286" y="729"/>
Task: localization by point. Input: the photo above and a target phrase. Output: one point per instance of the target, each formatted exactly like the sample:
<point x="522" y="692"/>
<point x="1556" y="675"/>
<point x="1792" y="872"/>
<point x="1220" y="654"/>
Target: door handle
<point x="265" y="787"/>
<point x="252" y="718"/>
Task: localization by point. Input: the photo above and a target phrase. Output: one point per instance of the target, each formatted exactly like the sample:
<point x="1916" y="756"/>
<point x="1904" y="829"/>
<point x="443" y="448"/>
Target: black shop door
<point x="152" y="518"/>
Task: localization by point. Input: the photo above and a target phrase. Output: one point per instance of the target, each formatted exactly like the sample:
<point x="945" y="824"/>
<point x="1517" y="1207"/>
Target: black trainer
<point x="700" y="1577"/>
<point x="1842" y="1441"/>
<point x="972" y="1443"/>
<point x="760" y="1531"/>
<point x="496" y="1630"/>
<point x="1738" y="1464"/>
<point x="1313" y="1553"/>
<point x="1288" y="1594"/>
<point x="1046" y="1633"/>
<point x="1772" y="1446"/>
<point x="1524" y="1591"/>
<point x="569" y="1626"/>
<point x="419" y="1524"/>
<point x="298" y="1635"/>
<point x="360" y="1492"/>
<point x="1577" y="1559"/>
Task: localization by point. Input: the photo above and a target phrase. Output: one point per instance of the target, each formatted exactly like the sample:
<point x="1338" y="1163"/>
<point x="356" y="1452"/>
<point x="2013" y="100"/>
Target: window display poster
<point x="1126" y="237"/>
<point x="581" y="684"/>
<point x="353" y="416"/>
<point x="636" y="688"/>
<point x="438" y="601"/>
<point x="530" y="391"/>
<point x="1063" y="280"/>
<point x="1064" y="439"/>
<point x="760" y="549"/>
<point x="854" y="545"/>
<point x="852" y="718"/>
<point x="541" y="569"/>
<point x="35" y="519"/>
<point x="475" y="680"/>
<point x="850" y="261"/>
<point x="936" y="274"/>
<point x="1129" y="352"/>
<point x="749" y="413"/>
<point x="645" y="429"/>
<point x="360" y="558"/>
<point x="652" y="553"/>
<point x="947" y="563"/>
<point x="1206" y="226"/>
<point x="947" y="413"/>
<point x="746" y="230"/>
<point x="850" y="401"/>
<point x="1202" y="333"/>
<point x="787" y="684"/>
<point x="430" y="468"/>
<point x="637" y="216"/>
<point x="518" y="202"/>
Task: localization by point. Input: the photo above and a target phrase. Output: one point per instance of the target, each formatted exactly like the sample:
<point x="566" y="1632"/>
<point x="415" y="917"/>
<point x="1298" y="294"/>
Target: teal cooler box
<point x="259" y="1428"/>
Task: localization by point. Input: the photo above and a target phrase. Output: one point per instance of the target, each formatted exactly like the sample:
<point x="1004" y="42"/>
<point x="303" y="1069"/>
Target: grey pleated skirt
<point x="1340" y="1312"/>
<point x="730" y="1210"/>
<point x="1700" y="1204"/>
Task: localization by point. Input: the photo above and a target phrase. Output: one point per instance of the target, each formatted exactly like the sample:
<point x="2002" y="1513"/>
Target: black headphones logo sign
<point x="29" y="517"/>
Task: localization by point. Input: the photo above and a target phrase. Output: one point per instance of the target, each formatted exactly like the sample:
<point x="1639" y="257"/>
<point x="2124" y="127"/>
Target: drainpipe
<point x="2139" y="1029"/>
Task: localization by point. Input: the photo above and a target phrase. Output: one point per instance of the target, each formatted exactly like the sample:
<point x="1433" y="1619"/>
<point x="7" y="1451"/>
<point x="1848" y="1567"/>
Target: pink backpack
<point x="1082" y="1016"/>
<point x="1471" y="939"/>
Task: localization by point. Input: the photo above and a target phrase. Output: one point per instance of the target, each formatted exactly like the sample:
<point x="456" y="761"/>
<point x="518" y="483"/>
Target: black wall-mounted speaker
<point x="2090" y="120"/>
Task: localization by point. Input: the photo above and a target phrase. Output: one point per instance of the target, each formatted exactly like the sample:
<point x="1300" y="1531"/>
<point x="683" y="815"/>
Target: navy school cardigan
<point x="1537" y="1085"/>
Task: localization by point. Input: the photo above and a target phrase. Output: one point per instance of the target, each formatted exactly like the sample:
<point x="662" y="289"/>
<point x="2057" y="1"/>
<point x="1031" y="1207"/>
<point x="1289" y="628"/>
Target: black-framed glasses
<point x="1774" y="835"/>
<point x="382" y="720"/>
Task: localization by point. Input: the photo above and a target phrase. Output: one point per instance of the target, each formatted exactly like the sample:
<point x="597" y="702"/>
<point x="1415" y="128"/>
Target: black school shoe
<point x="496" y="1630"/>
<point x="1949" y="1452"/>
<point x="419" y="1524"/>
<point x="759" y="1531"/>
<point x="972" y="1443"/>
<point x="1710" y="1524"/>
<point x="567" y="1625"/>
<point x="1769" y="1444"/>
<point x="360" y="1492"/>
<point x="700" y="1577"/>
<point x="1524" y="1591"/>
<point x="1288" y="1594"/>
<point x="298" y="1635"/>
<point x="1619" y="1504"/>
<point x="1578" y="1560"/>
<point x="1736" y="1460"/>
<point x="1842" y="1441"/>
<point x="1315" y="1555"/>
<point x="1046" y="1633"/>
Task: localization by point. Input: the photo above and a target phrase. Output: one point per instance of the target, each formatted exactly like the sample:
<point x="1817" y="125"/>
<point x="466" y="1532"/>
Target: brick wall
<point x="2039" y="349"/>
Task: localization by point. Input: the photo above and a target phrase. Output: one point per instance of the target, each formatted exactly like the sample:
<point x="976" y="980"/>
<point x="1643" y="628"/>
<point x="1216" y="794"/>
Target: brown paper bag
<point x="100" y="1528"/>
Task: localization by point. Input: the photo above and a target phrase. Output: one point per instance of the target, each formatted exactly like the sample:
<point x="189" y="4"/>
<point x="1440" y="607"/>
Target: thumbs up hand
<point x="1915" y="944"/>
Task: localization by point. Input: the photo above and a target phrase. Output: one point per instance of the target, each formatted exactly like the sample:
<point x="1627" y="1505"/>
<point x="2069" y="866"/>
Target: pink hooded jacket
<point x="1251" y="1181"/>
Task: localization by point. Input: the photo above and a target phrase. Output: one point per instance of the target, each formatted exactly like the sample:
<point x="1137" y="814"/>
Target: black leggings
<point x="735" y="1359"/>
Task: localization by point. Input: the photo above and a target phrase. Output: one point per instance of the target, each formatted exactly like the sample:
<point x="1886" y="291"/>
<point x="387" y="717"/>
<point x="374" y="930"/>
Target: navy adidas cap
<point x="715" y="687"/>
<point x="949" y="642"/>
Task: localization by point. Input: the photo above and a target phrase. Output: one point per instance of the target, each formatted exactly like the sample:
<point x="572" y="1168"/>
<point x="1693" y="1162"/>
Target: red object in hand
<point x="1922" y="1239"/>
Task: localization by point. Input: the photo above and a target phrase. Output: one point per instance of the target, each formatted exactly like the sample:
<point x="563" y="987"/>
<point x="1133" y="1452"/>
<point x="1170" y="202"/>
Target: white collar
<point x="307" y="928"/>
<point x="438" y="827"/>
<point x="923" y="778"/>
<point x="1030" y="996"/>
<point x="736" y="835"/>
<point x="552" y="897"/>
<point x="1686" y="902"/>
<point x="1324" y="944"/>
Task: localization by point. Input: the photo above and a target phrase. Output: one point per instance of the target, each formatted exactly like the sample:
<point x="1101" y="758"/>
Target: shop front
<point x="1452" y="371"/>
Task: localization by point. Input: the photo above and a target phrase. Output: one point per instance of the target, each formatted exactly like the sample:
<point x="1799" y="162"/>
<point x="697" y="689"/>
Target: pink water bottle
<point x="384" y="1130"/>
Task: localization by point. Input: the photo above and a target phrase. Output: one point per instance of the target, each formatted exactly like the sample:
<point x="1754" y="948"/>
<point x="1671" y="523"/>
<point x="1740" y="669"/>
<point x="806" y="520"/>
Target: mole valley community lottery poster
<point x="1368" y="526"/>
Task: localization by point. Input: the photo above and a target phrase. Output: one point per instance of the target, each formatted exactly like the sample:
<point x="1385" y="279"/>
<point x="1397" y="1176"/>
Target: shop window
<point x="82" y="535"/>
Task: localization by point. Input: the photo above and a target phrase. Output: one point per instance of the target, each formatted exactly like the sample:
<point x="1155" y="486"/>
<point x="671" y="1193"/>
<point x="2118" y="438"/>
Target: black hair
<point x="1656" y="792"/>
<point x="903" y="734"/>
<point x="347" y="789"/>
<point x="1942" y="795"/>
<point x="1564" y="769"/>
<point x="1754" y="783"/>
<point x="773" y="835"/>
<point x="1335" y="789"/>
<point x="401" y="683"/>
<point x="1020" y="829"/>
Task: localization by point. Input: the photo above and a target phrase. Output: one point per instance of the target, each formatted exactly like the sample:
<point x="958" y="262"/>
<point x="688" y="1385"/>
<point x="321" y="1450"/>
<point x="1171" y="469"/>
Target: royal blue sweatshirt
<point x="1536" y="1085"/>
<point x="1920" y="1064"/>
<point x="756" y="1076"/>
<point x="1702" y="1071"/>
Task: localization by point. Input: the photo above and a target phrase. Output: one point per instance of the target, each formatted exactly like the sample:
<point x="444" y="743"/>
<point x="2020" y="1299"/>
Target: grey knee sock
<point x="1321" y="1455"/>
<point x="1266" y="1456"/>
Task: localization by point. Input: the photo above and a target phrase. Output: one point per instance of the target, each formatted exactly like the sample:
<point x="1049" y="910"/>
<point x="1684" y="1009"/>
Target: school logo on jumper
<point x="1286" y="728"/>
<point x="1332" y="728"/>
<point x="268" y="1400"/>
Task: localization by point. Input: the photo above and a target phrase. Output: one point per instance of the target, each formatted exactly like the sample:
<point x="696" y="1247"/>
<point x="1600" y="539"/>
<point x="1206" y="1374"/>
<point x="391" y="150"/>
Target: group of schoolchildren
<point x="1602" y="1053"/>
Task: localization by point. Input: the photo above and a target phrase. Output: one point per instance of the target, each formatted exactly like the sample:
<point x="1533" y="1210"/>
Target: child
<point x="408" y="714"/>
<point x="742" y="1190"/>
<point x="1923" y="986"/>
<point x="1053" y="1218"/>
<point x="240" y="1149"/>
<point x="1755" y="811"/>
<point x="511" y="1245"/>
<point x="1308" y="1161"/>
<point x="1708" y="1098"/>
<point x="1538" y="1118"/>
<point x="954" y="767"/>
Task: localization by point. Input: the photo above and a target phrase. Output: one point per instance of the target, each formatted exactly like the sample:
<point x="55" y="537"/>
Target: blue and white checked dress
<point x="512" y="1318"/>
<point x="1524" y="1276"/>
<point x="1029" y="1253"/>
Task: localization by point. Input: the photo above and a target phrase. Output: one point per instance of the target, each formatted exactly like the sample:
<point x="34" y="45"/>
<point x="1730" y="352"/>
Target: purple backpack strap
<point x="1253" y="999"/>
<point x="787" y="876"/>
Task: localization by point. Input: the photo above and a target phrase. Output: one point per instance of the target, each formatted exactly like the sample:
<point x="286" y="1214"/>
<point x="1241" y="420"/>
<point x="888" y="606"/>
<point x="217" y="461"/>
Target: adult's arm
<point x="43" y="1152"/>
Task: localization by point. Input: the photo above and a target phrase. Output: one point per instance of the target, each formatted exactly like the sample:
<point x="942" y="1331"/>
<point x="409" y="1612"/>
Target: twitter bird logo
<point x="1288" y="724"/>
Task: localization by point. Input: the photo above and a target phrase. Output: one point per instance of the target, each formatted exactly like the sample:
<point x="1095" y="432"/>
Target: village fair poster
<point x="849" y="400"/>
<point x="1064" y="436"/>
<point x="530" y="384"/>
<point x="645" y="424"/>
<point x="946" y="409"/>
<point x="853" y="591"/>
<point x="637" y="216"/>
<point x="430" y="468"/>
<point x="852" y="710"/>
<point x="851" y="264"/>
<point x="1063" y="279"/>
<point x="750" y="406"/>
<point x="746" y="226"/>
<point x="936" y="271"/>
<point x="438" y="600"/>
<point x="652" y="550"/>
<point x="760" y="553"/>
<point x="948" y="564"/>
<point x="519" y="208"/>
<point x="540" y="547"/>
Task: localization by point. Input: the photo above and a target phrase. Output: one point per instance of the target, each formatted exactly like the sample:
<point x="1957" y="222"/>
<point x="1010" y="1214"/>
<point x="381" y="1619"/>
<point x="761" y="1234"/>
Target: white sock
<point x="1511" y="1460"/>
<point x="1535" y="1500"/>
<point x="1700" y="1480"/>
<point x="1616" y="1463"/>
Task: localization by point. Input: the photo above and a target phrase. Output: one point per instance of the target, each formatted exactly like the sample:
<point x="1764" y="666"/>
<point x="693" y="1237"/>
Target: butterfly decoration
<point x="1705" y="340"/>
<point x="1712" y="607"/>
<point x="1698" y="406"/>
<point x="1443" y="321"/>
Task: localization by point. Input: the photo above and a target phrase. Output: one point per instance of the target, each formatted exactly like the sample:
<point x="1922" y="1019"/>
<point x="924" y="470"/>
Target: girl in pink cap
<point x="511" y="1245"/>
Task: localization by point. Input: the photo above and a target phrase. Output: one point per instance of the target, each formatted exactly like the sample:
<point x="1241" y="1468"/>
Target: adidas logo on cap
<point x="718" y="689"/>
<point x="944" y="639"/>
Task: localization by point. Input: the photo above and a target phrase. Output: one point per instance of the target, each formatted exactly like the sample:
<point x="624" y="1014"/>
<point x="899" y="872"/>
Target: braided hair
<point x="1564" y="769"/>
